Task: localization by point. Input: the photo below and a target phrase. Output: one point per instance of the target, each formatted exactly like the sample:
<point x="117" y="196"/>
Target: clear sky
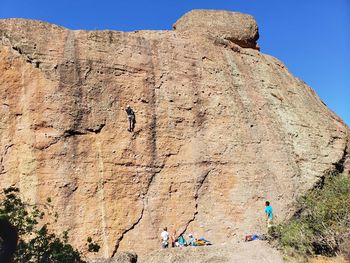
<point x="312" y="37"/>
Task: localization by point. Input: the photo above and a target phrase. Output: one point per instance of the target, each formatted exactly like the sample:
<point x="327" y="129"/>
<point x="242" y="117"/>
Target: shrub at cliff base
<point x="35" y="243"/>
<point x="322" y="225"/>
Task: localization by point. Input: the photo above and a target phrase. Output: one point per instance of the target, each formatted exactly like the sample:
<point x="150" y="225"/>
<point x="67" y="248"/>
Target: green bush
<point x="322" y="223"/>
<point x="92" y="246"/>
<point x="35" y="243"/>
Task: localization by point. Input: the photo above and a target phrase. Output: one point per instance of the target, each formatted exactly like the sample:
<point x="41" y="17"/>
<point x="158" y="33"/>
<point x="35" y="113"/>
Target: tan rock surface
<point x="120" y="257"/>
<point x="218" y="24"/>
<point x="220" y="129"/>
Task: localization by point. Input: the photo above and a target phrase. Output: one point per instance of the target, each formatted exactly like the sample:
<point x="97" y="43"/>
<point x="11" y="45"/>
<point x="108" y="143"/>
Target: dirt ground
<point x="240" y="252"/>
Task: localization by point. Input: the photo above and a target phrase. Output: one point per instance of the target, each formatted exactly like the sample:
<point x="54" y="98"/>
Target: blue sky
<point x="312" y="37"/>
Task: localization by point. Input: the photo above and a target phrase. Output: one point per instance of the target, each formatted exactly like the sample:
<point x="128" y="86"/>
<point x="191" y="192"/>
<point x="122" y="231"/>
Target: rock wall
<point x="220" y="128"/>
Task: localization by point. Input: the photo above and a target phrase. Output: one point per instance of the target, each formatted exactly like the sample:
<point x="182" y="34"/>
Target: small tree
<point x="35" y="244"/>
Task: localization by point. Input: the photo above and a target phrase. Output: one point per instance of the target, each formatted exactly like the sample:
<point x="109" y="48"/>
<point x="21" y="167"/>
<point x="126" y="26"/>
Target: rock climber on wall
<point x="131" y="118"/>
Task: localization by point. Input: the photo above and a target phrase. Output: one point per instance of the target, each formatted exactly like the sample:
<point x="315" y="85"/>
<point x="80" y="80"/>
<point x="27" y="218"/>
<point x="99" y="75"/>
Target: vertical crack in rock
<point x="339" y="166"/>
<point x="153" y="125"/>
<point x="144" y="201"/>
<point x="199" y="184"/>
<point x="126" y="231"/>
<point x="337" y="169"/>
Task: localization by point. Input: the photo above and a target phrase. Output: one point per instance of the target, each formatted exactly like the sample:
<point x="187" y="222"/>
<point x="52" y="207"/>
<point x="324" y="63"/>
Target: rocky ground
<point x="231" y="252"/>
<point x="252" y="252"/>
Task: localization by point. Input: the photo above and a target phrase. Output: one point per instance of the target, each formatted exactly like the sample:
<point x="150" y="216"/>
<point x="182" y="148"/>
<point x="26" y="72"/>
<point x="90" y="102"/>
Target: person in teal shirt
<point x="269" y="214"/>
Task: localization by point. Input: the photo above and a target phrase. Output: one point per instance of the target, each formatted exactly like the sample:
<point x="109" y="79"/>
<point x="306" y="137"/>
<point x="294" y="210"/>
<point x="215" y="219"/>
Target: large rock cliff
<point x="220" y="129"/>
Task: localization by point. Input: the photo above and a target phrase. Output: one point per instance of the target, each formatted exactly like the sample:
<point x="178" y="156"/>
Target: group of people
<point x="175" y="240"/>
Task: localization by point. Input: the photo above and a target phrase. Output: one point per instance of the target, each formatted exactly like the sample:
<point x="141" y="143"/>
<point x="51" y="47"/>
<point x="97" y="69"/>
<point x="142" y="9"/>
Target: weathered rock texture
<point x="220" y="129"/>
<point x="122" y="257"/>
<point x="235" y="27"/>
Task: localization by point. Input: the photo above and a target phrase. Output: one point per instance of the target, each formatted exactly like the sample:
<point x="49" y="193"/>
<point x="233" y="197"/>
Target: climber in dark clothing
<point x="131" y="118"/>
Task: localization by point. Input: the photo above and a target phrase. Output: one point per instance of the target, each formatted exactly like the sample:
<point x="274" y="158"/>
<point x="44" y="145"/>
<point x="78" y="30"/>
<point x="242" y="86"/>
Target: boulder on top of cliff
<point x="239" y="28"/>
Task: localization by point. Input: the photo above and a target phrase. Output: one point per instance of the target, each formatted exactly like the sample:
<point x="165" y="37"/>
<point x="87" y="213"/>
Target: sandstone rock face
<point x="220" y="129"/>
<point x="122" y="257"/>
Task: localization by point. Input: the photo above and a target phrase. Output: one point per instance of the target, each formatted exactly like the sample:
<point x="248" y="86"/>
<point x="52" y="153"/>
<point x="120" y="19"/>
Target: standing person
<point x="131" y="118"/>
<point x="174" y="238"/>
<point x="269" y="214"/>
<point x="165" y="238"/>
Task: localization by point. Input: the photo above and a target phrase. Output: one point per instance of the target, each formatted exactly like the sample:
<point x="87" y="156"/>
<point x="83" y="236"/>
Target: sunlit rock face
<point x="220" y="128"/>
